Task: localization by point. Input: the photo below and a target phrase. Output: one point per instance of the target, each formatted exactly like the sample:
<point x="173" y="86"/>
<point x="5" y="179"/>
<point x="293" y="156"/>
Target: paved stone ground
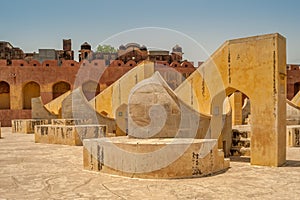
<point x="40" y="171"/>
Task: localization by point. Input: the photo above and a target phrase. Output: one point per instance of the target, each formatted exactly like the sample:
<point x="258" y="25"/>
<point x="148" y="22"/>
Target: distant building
<point x="50" y="73"/>
<point x="131" y="51"/>
<point x="45" y="54"/>
<point x="51" y="54"/>
<point x="8" y="52"/>
<point x="87" y="53"/>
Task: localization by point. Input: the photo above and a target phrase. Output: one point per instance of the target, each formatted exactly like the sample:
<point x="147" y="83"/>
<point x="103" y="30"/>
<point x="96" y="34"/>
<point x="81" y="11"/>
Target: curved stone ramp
<point x="117" y="94"/>
<point x="55" y="105"/>
<point x="51" y="110"/>
<point x="292" y="113"/>
<point x="296" y="99"/>
<point x="76" y="106"/>
<point x="40" y="111"/>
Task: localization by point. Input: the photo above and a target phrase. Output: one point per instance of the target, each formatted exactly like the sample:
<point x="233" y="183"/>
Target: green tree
<point x="106" y="49"/>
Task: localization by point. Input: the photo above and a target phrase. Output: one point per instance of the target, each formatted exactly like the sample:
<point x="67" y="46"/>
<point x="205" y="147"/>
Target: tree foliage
<point x="106" y="49"/>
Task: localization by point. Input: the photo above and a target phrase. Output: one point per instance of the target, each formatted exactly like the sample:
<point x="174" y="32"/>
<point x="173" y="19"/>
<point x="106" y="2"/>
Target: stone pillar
<point x="268" y="110"/>
<point x="255" y="66"/>
<point x="236" y="106"/>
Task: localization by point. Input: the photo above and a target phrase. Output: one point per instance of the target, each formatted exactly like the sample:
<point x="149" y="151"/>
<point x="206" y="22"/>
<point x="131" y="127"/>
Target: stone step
<point x="68" y="135"/>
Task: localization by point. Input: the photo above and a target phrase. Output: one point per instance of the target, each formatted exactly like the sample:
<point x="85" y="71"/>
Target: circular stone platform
<point x="154" y="158"/>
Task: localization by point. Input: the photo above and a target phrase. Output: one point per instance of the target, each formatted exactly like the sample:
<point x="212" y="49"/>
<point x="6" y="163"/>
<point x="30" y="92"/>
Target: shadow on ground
<point x="292" y="163"/>
<point x="289" y="163"/>
<point x="239" y="159"/>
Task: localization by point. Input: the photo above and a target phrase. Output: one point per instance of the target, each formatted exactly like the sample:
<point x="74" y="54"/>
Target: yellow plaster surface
<point x="256" y="66"/>
<point x="54" y="106"/>
<point x="117" y="94"/>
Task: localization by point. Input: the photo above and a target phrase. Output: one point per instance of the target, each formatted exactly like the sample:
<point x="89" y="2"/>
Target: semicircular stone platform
<point x="154" y="158"/>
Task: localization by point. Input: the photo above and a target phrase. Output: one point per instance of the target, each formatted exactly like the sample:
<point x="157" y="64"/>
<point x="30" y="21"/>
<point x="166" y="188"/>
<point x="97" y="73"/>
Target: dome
<point x="86" y="46"/>
<point x="122" y="47"/>
<point x="133" y="45"/>
<point x="143" y="48"/>
<point x="177" y="48"/>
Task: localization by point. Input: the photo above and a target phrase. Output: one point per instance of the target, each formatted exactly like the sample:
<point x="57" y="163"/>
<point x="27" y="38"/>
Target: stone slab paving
<point x="30" y="170"/>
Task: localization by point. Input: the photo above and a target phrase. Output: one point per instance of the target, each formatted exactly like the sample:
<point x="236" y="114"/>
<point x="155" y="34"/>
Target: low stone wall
<point x="154" y="158"/>
<point x="69" y="122"/>
<point x="27" y="125"/>
<point x="68" y="135"/>
<point x="293" y="136"/>
<point x="241" y="138"/>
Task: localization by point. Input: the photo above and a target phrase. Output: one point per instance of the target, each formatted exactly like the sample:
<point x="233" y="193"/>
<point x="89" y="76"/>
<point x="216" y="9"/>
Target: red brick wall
<point x="7" y="115"/>
<point x="48" y="73"/>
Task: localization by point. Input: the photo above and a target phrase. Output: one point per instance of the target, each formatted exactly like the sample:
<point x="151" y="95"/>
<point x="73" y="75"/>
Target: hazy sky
<point x="34" y="24"/>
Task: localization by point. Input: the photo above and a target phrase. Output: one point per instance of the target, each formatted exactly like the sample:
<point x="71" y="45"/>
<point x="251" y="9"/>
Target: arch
<point x="255" y="66"/>
<point x="20" y="63"/>
<point x="30" y="90"/>
<point x="60" y="88"/>
<point x="296" y="88"/>
<point x="49" y="63"/>
<point x="4" y="95"/>
<point x="130" y="63"/>
<point x="117" y="63"/>
<point x="90" y="89"/>
<point x="69" y="63"/>
<point x="186" y="64"/>
<point x="237" y="99"/>
<point x="34" y="63"/>
<point x="175" y="64"/>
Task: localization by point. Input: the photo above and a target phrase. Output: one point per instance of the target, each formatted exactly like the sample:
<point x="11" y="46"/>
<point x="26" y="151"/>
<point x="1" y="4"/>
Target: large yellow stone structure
<point x="255" y="66"/>
<point x="117" y="94"/>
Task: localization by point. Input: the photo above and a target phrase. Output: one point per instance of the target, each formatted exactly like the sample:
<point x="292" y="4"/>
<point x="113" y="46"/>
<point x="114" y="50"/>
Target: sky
<point x="36" y="24"/>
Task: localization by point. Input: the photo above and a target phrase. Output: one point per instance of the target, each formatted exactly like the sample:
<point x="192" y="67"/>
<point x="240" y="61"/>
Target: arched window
<point x="30" y="90"/>
<point x="90" y="89"/>
<point x="4" y="95"/>
<point x="60" y="88"/>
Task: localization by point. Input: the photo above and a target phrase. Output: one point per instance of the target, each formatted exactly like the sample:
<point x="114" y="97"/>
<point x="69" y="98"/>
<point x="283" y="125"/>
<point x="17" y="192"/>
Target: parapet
<point x="292" y="67"/>
<point x="87" y="63"/>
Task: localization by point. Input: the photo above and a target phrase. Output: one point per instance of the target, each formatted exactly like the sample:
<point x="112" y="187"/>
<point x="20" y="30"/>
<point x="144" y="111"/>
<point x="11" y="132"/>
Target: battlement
<point x="292" y="67"/>
<point x="87" y="63"/>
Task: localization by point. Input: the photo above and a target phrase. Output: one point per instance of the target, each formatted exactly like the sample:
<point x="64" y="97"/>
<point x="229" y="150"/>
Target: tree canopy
<point x="106" y="49"/>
